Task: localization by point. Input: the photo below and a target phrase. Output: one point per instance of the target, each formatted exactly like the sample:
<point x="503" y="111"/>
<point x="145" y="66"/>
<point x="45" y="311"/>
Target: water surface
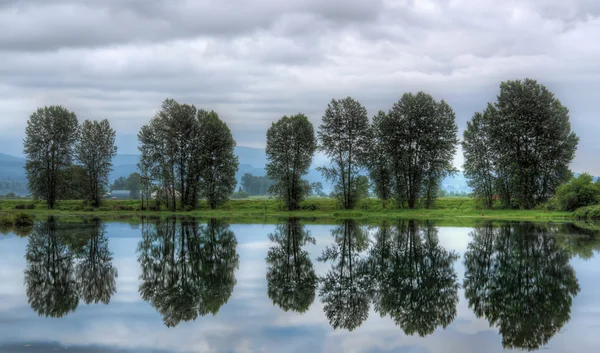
<point x="209" y="286"/>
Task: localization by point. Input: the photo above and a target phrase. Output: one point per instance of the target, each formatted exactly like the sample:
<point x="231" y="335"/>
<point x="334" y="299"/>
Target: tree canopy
<point x="49" y="143"/>
<point x="520" y="147"/>
<point x="291" y="144"/>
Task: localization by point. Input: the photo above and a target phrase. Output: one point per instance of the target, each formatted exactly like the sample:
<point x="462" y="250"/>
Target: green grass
<point x="454" y="210"/>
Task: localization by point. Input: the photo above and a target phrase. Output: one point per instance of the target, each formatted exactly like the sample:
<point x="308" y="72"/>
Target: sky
<point x="255" y="61"/>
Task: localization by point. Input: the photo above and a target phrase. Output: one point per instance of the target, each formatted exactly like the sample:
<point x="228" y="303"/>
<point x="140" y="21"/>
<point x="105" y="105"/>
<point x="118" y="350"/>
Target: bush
<point x="188" y="208"/>
<point x="25" y="206"/>
<point x="588" y="213"/>
<point x="309" y="207"/>
<point x="23" y="220"/>
<point x="6" y="221"/>
<point x="88" y="208"/>
<point x="579" y="192"/>
<point x="239" y="195"/>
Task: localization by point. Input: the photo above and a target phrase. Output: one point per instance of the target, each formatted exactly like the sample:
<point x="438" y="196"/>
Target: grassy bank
<point x="260" y="210"/>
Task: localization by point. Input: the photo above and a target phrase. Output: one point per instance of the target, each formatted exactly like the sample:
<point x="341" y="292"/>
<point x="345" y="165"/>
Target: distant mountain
<point x="12" y="168"/>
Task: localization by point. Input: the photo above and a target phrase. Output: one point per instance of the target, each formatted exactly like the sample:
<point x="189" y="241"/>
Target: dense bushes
<point x="25" y="206"/>
<point x="580" y="191"/>
<point x="589" y="212"/>
<point x="17" y="220"/>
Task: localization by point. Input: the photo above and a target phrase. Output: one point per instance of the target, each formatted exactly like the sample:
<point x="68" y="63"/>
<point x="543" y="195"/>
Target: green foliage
<point x="23" y="220"/>
<point x="256" y="185"/>
<point x="414" y="149"/>
<point x="6" y="220"/>
<point x="25" y="206"/>
<point x="579" y="192"/>
<point x="344" y="137"/>
<point x="291" y="144"/>
<point x="521" y="146"/>
<point x="218" y="164"/>
<point x="50" y="136"/>
<point x="187" y="154"/>
<point x="589" y="212"/>
<point x="239" y="195"/>
<point x="95" y="151"/>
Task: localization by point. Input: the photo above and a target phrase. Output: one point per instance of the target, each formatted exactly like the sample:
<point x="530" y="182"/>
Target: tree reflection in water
<point x="187" y="268"/>
<point x="344" y="290"/>
<point x="59" y="272"/>
<point x="414" y="278"/>
<point x="520" y="280"/>
<point x="291" y="278"/>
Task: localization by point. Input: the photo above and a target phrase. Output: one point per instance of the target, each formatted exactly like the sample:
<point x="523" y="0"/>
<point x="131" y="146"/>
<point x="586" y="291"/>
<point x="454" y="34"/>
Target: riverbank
<point x="259" y="210"/>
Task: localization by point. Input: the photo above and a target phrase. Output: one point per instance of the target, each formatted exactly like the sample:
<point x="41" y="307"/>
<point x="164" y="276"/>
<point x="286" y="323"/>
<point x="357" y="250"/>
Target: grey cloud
<point x="41" y="25"/>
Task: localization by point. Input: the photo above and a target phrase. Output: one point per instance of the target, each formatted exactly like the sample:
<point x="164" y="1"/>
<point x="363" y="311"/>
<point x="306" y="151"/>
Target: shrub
<point x="188" y="208"/>
<point x="88" y="208"/>
<point x="589" y="212"/>
<point x="6" y="221"/>
<point x="25" y="206"/>
<point x="23" y="220"/>
<point x="579" y="192"/>
<point x="309" y="207"/>
<point x="239" y="195"/>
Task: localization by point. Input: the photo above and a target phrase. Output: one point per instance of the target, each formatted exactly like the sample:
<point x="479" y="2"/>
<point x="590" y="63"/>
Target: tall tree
<point x="380" y="168"/>
<point x="170" y="145"/>
<point x="344" y="137"/>
<point x="95" y="151"/>
<point x="479" y="159"/>
<point x="50" y="137"/>
<point x="217" y="162"/>
<point x="291" y="144"/>
<point x="419" y="138"/>
<point x="530" y="133"/>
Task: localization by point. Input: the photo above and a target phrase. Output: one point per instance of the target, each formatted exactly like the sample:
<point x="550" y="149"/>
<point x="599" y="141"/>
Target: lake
<point x="211" y="286"/>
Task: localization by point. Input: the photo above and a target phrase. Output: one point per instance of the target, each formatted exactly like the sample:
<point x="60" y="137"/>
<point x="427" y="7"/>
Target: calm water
<point x="209" y="286"/>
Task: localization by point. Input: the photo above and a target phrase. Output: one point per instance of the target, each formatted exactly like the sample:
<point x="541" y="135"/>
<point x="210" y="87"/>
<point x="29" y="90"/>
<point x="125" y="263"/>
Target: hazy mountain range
<point x="252" y="160"/>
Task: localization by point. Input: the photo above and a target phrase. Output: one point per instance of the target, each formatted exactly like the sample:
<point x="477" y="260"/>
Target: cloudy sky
<point x="254" y="61"/>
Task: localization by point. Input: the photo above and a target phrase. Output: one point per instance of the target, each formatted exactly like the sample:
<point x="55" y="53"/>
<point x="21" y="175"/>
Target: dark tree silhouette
<point x="96" y="276"/>
<point x="291" y="279"/>
<point x="187" y="269"/>
<point x="520" y="280"/>
<point x="344" y="290"/>
<point x="414" y="279"/>
<point x="50" y="281"/>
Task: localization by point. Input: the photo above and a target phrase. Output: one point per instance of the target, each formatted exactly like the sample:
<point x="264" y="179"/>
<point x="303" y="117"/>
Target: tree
<point x="170" y="150"/>
<point x="291" y="278"/>
<point x="95" y="151"/>
<point x="380" y="167"/>
<point x="134" y="185"/>
<point x="75" y="183"/>
<point x="413" y="277"/>
<point x="580" y="191"/>
<point x="50" y="136"/>
<point x="520" y="280"/>
<point x="290" y="147"/>
<point x="217" y="162"/>
<point x="317" y="188"/>
<point x="418" y="138"/>
<point x="256" y="185"/>
<point x="479" y="158"/>
<point x="344" y="137"/>
<point x="345" y="289"/>
<point x="529" y="131"/>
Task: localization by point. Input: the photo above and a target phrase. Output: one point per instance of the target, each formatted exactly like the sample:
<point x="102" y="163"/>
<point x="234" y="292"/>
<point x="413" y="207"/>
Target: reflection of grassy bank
<point x="318" y="210"/>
